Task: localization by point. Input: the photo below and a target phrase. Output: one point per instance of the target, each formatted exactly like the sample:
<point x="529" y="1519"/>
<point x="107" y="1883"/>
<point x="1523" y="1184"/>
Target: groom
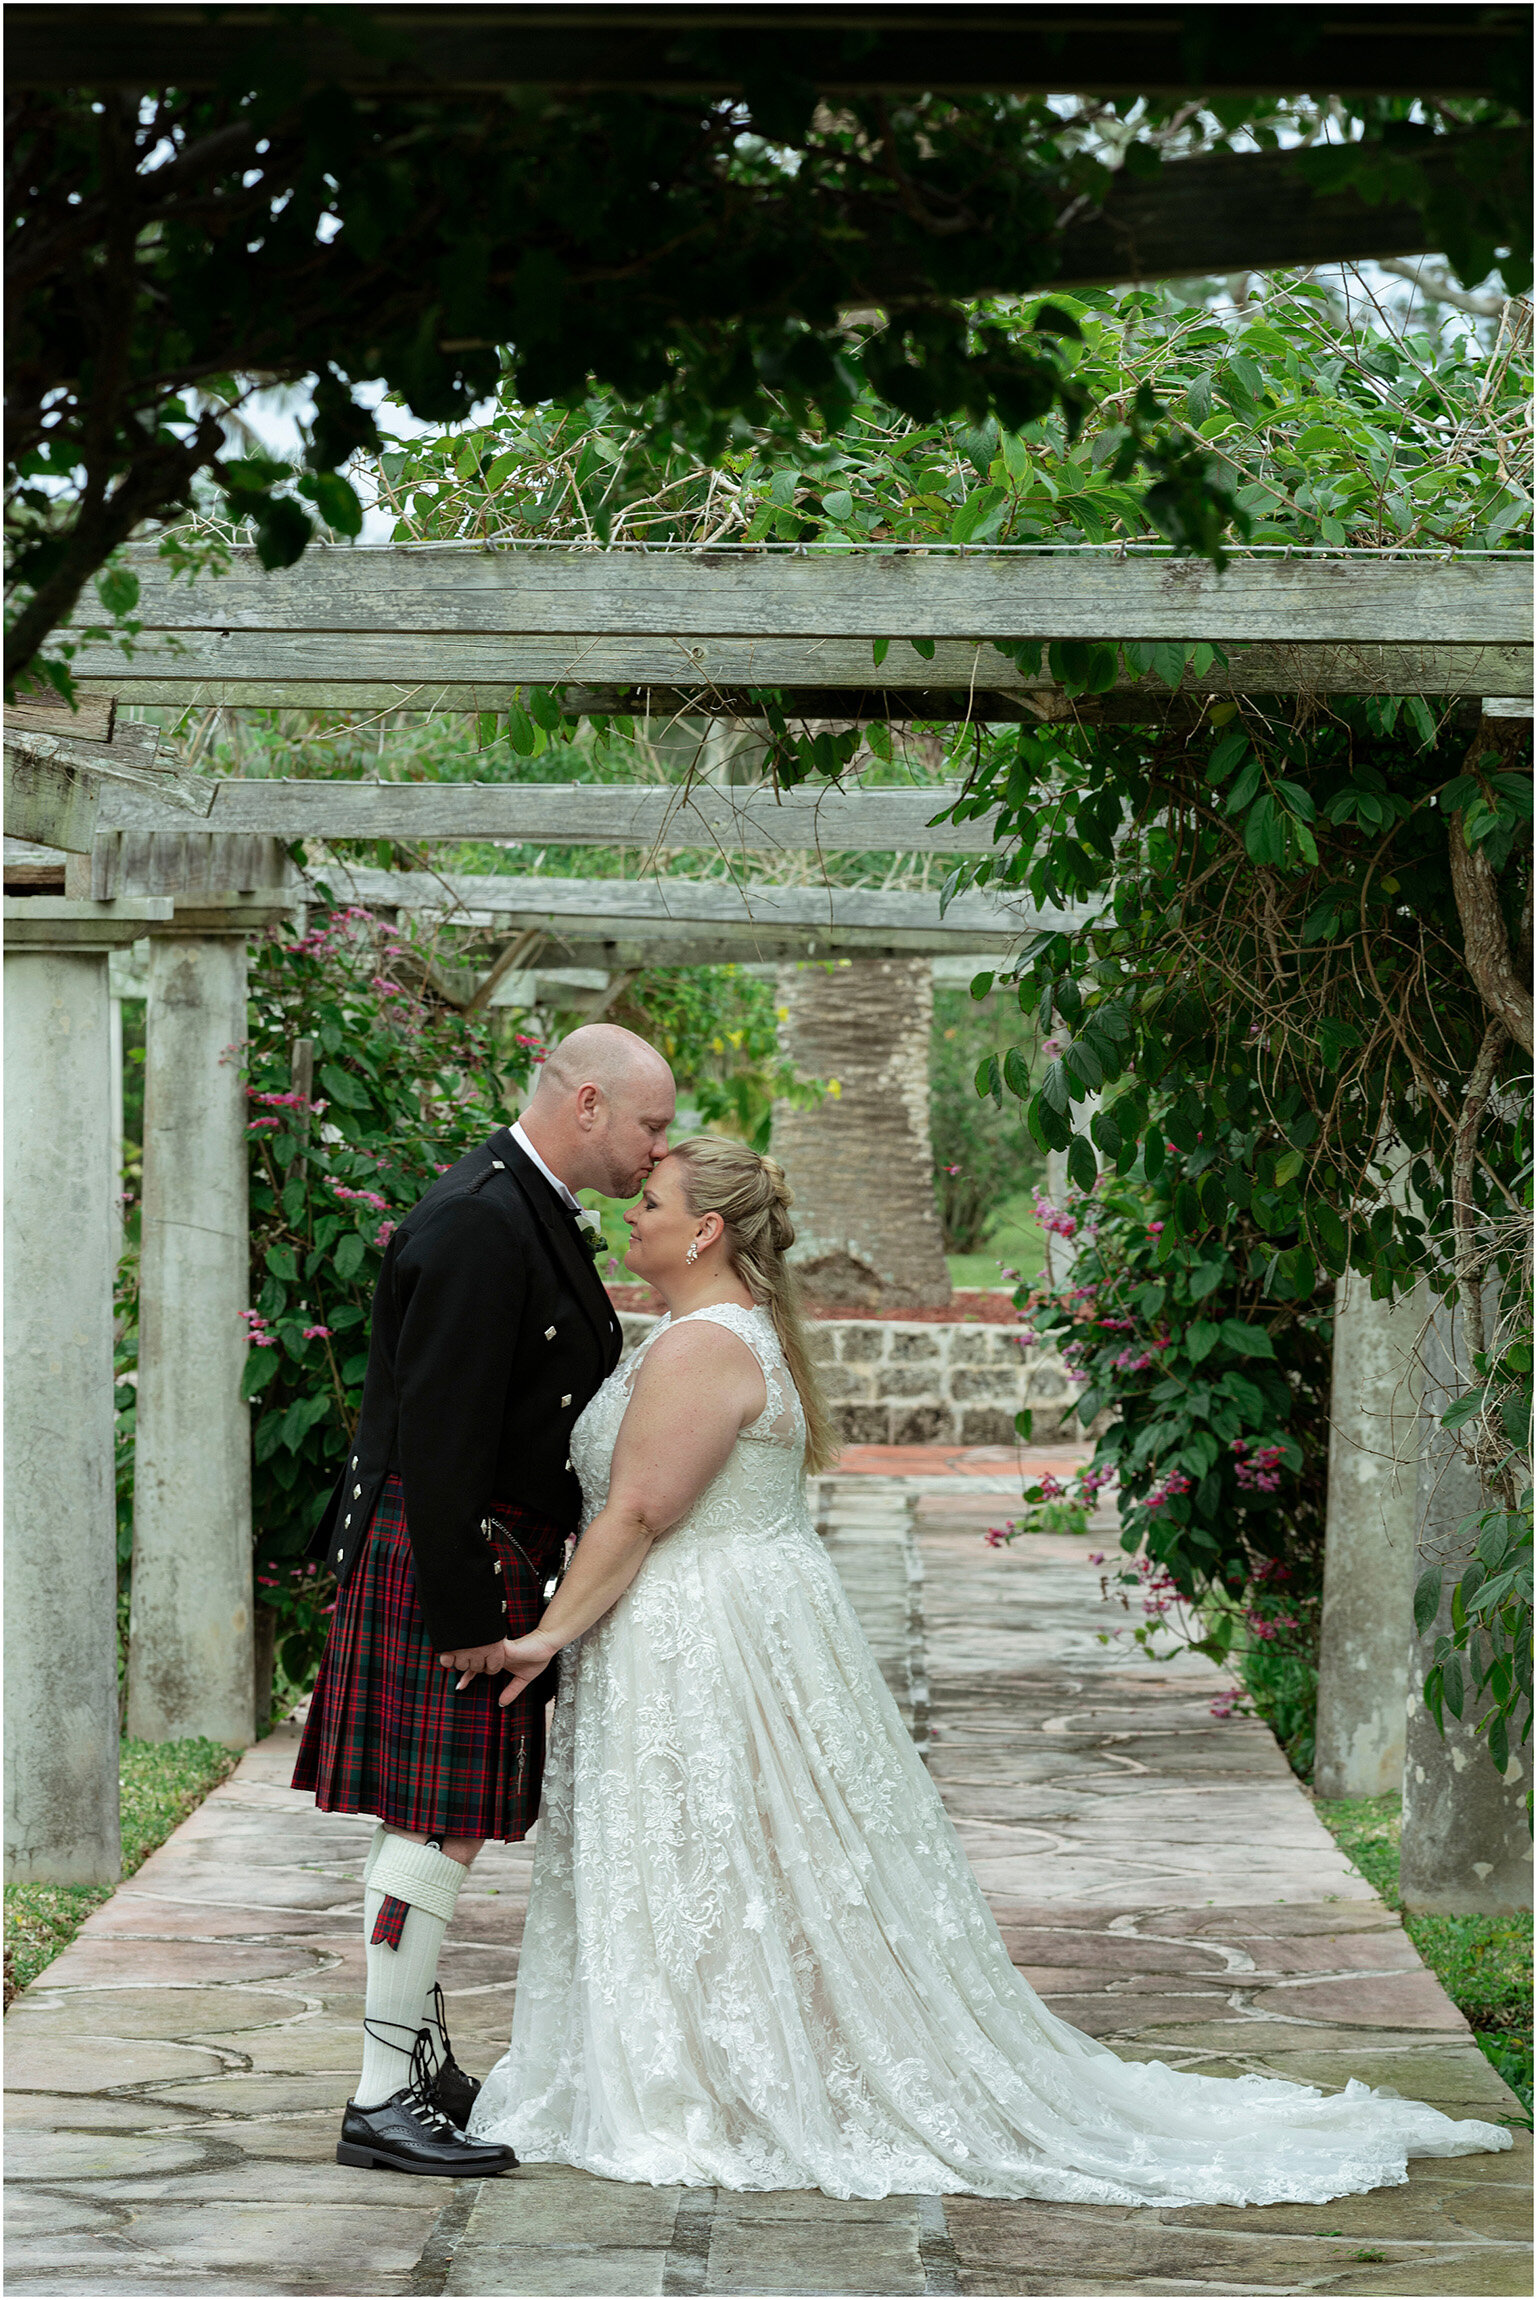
<point x="491" y="1331"/>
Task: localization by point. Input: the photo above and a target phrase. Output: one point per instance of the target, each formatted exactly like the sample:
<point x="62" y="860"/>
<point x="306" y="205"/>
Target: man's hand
<point x="522" y="1658"/>
<point x="475" y="1661"/>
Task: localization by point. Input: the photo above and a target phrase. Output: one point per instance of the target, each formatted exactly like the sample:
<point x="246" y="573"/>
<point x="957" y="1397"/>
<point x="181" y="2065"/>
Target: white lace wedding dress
<point x="755" y="1955"/>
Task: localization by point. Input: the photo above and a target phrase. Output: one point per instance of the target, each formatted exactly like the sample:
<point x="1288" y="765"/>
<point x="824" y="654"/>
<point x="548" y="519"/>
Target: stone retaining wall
<point x="893" y="1383"/>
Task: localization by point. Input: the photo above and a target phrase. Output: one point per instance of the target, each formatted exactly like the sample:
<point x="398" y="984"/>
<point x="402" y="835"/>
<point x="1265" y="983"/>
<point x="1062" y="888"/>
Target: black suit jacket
<point x="491" y="1330"/>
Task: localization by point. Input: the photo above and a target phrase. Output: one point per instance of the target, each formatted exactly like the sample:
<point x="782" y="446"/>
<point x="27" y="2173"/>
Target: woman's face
<point x="661" y="1227"/>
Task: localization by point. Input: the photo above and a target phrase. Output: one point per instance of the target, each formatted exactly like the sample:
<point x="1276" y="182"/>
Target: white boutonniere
<point x="590" y="1223"/>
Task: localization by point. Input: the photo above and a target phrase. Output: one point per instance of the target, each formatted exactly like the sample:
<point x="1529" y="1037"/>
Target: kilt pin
<point x="387" y="1734"/>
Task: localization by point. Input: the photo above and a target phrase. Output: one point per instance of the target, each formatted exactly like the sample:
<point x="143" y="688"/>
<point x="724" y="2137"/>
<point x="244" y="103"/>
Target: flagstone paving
<point x="176" y="2077"/>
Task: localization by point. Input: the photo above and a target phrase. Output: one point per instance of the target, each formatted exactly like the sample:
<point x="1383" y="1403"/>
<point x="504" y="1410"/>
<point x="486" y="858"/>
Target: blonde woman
<point x="755" y="1957"/>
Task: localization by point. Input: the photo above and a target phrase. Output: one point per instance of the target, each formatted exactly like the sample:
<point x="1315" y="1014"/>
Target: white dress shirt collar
<point x="554" y="1180"/>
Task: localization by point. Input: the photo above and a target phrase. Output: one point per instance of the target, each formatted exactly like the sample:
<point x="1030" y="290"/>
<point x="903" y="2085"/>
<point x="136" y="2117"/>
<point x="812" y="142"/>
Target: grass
<point x="162" y="1781"/>
<point x="1014" y="1239"/>
<point x="1483" y="1963"/>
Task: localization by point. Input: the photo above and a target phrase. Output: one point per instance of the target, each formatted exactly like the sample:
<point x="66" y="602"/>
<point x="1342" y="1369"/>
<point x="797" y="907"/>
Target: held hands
<point x="523" y="1658"/>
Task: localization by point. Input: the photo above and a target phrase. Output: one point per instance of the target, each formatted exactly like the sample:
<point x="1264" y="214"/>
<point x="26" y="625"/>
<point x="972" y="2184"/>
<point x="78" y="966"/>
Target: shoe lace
<point x="423" y="2069"/>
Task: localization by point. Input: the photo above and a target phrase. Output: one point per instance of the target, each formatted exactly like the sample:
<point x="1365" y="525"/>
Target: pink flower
<point x="262" y="1125"/>
<point x="1155" y="1229"/>
<point x="1027" y="1337"/>
<point x="362" y="1198"/>
<point x="384" y="1233"/>
<point x="1228" y="1704"/>
<point x="1175" y="1483"/>
<point x="317" y="1333"/>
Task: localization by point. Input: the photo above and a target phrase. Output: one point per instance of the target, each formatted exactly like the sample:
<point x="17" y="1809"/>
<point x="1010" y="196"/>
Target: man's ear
<point x="588" y="1101"/>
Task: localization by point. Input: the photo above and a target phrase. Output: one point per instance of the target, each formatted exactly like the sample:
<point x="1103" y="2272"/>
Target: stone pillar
<point x="61" y="1784"/>
<point x="1369" y="1549"/>
<point x="1466" y="1845"/>
<point x="861" y="1161"/>
<point x="191" y="1658"/>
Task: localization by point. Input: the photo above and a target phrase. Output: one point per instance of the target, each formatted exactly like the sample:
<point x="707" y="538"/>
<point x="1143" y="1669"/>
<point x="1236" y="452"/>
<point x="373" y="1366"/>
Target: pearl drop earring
<point x="693" y="1251"/>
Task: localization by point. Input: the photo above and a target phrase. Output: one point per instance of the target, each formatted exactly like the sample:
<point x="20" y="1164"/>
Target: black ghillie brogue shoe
<point x="404" y="2134"/>
<point x="453" y="2093"/>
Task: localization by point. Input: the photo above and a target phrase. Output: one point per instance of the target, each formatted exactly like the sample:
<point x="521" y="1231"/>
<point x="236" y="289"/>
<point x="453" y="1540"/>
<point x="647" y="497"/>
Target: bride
<point x="755" y="1956"/>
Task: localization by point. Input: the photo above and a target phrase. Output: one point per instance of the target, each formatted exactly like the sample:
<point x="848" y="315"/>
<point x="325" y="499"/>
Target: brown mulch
<point x="968" y="1306"/>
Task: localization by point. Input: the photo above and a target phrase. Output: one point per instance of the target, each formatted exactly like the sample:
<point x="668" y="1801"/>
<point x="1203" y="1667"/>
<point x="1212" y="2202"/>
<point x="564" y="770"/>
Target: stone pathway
<point x="177" y="2075"/>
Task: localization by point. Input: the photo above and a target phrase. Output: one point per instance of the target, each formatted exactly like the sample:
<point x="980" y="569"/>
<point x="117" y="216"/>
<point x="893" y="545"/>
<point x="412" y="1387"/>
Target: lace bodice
<point x="761" y="1484"/>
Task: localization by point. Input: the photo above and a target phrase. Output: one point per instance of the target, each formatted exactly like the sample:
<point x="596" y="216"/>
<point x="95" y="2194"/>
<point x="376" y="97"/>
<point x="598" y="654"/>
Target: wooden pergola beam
<point x="872" y="593"/>
<point x="1445" y="50"/>
<point x="722" y="819"/>
<point x="689" y="922"/>
<point x="436" y="628"/>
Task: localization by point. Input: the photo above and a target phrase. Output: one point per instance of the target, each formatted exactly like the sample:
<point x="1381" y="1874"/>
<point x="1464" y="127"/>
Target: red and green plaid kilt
<point x="387" y="1734"/>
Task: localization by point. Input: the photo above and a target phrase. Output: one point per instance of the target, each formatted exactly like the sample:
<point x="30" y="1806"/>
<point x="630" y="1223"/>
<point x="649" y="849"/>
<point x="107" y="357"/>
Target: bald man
<point x="491" y="1331"/>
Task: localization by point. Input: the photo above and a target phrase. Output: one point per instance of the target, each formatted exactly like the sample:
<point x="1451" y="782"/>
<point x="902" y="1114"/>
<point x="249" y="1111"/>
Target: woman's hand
<point x="524" y="1658"/>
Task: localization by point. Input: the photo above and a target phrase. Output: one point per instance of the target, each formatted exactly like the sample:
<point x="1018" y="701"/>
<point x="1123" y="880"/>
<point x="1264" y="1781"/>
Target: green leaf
<point x="1245" y="787"/>
<point x="1225" y="756"/>
<point x="880" y="649"/>
<point x="1024" y="1423"/>
<point x="839" y="504"/>
<point x="1081" y="1164"/>
<point x="1054" y="1087"/>
<point x="1263" y="839"/>
<point x="1205" y="1279"/>
<point x="1201" y="1338"/>
<point x="348" y="1258"/>
<point x="923" y="647"/>
<point x="343" y="1087"/>
<point x="1427" y="1599"/>
<point x="258" y="1370"/>
<point x="335" y="499"/>
<point x="1246" y="1341"/>
<point x="118" y="590"/>
<point x="280" y="1261"/>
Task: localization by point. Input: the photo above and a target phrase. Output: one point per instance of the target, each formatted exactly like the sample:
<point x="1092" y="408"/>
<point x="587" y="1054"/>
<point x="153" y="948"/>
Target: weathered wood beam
<point x="1445" y="50"/>
<point x="389" y="591"/>
<point x="680" y="922"/>
<point x="827" y="678"/>
<point x="1257" y="211"/>
<point x="723" y="819"/>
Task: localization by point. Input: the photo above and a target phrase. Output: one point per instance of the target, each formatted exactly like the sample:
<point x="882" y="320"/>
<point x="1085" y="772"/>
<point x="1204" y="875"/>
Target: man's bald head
<point x="601" y="1110"/>
<point x="601" y="1054"/>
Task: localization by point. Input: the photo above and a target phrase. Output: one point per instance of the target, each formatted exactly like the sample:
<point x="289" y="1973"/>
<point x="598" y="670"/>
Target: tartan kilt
<point x="387" y="1734"/>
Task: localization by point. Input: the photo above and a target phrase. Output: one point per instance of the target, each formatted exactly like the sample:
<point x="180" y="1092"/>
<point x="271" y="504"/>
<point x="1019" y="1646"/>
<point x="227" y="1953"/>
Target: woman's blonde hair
<point x="753" y="1200"/>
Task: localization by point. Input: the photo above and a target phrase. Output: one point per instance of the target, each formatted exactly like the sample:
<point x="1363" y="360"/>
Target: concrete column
<point x="115" y="1121"/>
<point x="191" y="1662"/>
<point x="1369" y="1549"/>
<point x="1466" y="1845"/>
<point x="61" y="1781"/>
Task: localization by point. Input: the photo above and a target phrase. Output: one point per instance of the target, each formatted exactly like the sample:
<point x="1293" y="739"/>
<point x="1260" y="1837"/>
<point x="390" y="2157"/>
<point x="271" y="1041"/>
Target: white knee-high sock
<point x="400" y="1979"/>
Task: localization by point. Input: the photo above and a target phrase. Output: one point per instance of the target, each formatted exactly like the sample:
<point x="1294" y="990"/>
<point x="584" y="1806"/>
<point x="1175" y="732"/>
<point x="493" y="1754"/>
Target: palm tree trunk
<point x="861" y="1162"/>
